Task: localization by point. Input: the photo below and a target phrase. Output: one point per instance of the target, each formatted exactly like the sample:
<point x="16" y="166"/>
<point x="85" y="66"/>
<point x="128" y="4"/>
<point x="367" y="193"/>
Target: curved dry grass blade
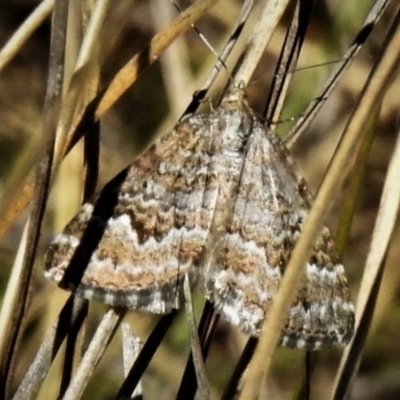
<point x="19" y="38"/>
<point x="43" y="172"/>
<point x="374" y="90"/>
<point x="262" y="33"/>
<point x="381" y="237"/>
<point x="137" y="64"/>
<point x="104" y="333"/>
<point x="303" y="122"/>
<point x="73" y="312"/>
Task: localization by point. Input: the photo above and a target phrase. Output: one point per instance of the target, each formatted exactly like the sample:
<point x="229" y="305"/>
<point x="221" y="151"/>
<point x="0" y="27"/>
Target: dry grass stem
<point x="261" y="35"/>
<point x="104" y="333"/>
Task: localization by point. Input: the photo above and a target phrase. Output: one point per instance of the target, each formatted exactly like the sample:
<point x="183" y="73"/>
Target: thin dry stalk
<point x="43" y="171"/>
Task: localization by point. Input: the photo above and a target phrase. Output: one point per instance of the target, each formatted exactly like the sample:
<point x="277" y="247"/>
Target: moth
<point x="217" y="199"/>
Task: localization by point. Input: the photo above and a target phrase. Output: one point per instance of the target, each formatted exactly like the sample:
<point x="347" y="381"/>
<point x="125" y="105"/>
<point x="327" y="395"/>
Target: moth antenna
<point x="200" y="94"/>
<point x="206" y="42"/>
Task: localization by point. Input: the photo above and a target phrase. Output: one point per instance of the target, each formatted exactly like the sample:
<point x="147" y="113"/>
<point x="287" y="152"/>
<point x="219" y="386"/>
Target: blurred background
<point x="152" y="106"/>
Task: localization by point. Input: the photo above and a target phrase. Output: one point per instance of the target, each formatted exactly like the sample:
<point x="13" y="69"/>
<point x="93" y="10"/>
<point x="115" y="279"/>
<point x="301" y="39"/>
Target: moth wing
<point x="146" y="229"/>
<point x="246" y="267"/>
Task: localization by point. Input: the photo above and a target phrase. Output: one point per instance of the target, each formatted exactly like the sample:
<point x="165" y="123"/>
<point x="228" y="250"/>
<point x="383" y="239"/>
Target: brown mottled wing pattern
<point x="245" y="268"/>
<point x="133" y="244"/>
<point x="218" y="199"/>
